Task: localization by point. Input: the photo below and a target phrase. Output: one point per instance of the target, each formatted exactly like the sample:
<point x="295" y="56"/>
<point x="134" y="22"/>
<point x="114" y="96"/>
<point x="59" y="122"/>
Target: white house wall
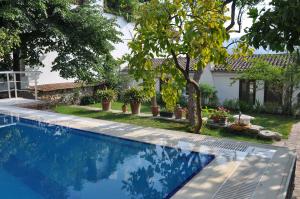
<point x="225" y="85"/>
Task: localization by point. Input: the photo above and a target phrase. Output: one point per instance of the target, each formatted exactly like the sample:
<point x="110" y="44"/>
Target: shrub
<point x="106" y="94"/>
<point x="231" y="104"/>
<point x="258" y="107"/>
<point x="86" y="100"/>
<point x="135" y="95"/>
<point x="219" y="113"/>
<point x="208" y="94"/>
<point x="245" y="107"/>
<point x="270" y="107"/>
<point x="183" y="101"/>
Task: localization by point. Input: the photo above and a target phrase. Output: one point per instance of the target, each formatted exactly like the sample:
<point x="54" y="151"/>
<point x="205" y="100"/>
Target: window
<point x="247" y="91"/>
<point x="273" y="93"/>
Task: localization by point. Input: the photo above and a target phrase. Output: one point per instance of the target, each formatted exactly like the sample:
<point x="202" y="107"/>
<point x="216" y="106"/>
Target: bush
<point x="231" y="104"/>
<point x="208" y="94"/>
<point x="237" y="105"/>
<point x="107" y="94"/>
<point x="183" y="101"/>
<point x="245" y="107"/>
<point x="135" y="95"/>
<point x="270" y="107"/>
<point x="86" y="100"/>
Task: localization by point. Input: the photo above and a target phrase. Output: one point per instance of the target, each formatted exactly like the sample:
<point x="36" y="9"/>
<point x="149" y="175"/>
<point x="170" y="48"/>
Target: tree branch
<point x="232" y="22"/>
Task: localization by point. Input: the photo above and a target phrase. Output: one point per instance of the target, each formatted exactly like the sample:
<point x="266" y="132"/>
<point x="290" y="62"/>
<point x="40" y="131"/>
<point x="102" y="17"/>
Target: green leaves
<point x="176" y="30"/>
<point x="276" y="27"/>
<point x="81" y="36"/>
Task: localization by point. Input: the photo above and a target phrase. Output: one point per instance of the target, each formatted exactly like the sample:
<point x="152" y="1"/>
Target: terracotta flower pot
<point x="155" y="110"/>
<point x="124" y="108"/>
<point x="106" y="105"/>
<point x="135" y="108"/>
<point x="178" y="113"/>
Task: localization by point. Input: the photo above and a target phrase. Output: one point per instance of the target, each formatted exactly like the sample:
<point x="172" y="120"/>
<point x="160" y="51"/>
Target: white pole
<point x="8" y="85"/>
<point x="15" y="83"/>
<point x="35" y="87"/>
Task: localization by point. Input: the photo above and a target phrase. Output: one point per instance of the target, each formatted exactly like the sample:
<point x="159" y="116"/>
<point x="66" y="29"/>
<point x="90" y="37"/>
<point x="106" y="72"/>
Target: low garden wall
<point x="67" y="93"/>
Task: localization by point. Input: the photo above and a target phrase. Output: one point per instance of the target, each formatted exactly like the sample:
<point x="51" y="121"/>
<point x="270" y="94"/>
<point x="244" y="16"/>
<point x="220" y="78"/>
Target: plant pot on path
<point x="106" y="105"/>
<point x="178" y="112"/>
<point x="155" y="110"/>
<point x="135" y="108"/>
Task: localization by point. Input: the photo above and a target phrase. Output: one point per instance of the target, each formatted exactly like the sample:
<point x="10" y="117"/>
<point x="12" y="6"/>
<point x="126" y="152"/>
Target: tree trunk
<point x="199" y="109"/>
<point x="192" y="102"/>
<point x="191" y="105"/>
<point x="17" y="65"/>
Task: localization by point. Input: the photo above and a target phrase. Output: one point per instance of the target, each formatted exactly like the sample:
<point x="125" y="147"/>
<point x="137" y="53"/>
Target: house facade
<point x="225" y="80"/>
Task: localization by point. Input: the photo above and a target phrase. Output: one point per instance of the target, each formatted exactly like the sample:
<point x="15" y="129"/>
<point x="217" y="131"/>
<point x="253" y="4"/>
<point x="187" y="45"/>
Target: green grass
<point x="281" y="124"/>
<point x="145" y="108"/>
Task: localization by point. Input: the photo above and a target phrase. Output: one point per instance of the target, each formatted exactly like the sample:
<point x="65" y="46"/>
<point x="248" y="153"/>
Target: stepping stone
<point x="270" y="135"/>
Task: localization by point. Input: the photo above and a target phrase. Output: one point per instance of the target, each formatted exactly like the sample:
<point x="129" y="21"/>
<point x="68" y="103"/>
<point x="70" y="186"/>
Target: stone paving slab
<point x="293" y="142"/>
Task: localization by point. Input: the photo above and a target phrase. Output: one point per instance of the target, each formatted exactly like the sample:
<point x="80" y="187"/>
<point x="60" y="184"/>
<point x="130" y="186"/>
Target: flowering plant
<point x="219" y="113"/>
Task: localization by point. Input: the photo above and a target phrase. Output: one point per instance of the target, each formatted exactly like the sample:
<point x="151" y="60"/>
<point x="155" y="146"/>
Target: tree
<point x="194" y="30"/>
<point x="174" y="30"/>
<point x="277" y="28"/>
<point x="80" y="35"/>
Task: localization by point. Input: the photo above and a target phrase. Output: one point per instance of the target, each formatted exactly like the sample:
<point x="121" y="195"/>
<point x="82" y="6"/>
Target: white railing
<point x="9" y="80"/>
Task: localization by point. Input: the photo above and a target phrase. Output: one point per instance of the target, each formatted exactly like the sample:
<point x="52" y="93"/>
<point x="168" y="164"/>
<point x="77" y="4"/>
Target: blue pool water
<point x="39" y="160"/>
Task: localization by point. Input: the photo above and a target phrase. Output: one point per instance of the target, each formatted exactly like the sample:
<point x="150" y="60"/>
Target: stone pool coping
<point x="240" y="169"/>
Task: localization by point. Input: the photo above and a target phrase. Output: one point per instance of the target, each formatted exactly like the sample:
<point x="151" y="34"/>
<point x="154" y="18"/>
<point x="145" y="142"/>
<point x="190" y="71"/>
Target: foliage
<point x="87" y="100"/>
<point x="231" y="104"/>
<point x="183" y="101"/>
<point x="219" y="113"/>
<point x="8" y="40"/>
<point x="80" y="35"/>
<point x="276" y="27"/>
<point x="262" y="70"/>
<point x="208" y="94"/>
<point x="273" y="108"/>
<point x="106" y="94"/>
<point x="289" y="77"/>
<point x="172" y="30"/>
<point x="123" y="8"/>
<point x="135" y="95"/>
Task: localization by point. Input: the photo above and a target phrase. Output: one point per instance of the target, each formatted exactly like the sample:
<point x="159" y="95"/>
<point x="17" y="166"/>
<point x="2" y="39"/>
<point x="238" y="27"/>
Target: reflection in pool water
<point x="38" y="160"/>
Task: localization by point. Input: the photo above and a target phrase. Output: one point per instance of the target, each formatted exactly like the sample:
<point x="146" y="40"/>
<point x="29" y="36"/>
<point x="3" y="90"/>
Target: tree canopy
<point x="81" y="36"/>
<point x="276" y="27"/>
<point x="174" y="30"/>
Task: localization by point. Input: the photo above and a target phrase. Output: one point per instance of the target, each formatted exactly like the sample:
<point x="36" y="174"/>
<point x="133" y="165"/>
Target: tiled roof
<point x="182" y="61"/>
<point x="240" y="64"/>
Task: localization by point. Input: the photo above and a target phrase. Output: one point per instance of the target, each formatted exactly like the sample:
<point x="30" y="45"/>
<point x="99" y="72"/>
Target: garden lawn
<point x="145" y="108"/>
<point x="281" y="124"/>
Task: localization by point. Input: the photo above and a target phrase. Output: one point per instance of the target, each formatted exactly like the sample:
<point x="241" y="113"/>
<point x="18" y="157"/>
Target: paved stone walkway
<point x="294" y="143"/>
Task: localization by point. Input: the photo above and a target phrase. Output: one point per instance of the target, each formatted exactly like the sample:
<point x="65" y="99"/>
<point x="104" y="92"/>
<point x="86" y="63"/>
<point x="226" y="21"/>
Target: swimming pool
<point x="40" y="160"/>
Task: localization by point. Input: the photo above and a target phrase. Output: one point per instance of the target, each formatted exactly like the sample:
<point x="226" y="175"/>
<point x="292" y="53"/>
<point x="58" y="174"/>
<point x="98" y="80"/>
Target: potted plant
<point x="106" y="96"/>
<point x="178" y="112"/>
<point x="135" y="96"/>
<point x="164" y="112"/>
<point x="220" y="115"/>
<point x="154" y="107"/>
<point x="124" y="108"/>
